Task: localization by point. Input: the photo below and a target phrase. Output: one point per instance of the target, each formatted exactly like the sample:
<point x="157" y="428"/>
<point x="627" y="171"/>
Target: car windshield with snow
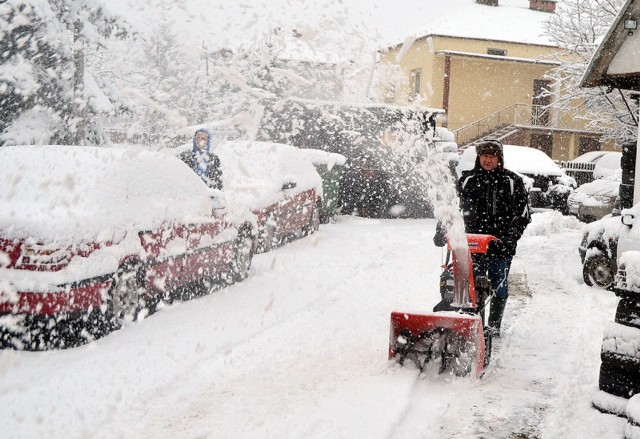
<point x="101" y="236"/>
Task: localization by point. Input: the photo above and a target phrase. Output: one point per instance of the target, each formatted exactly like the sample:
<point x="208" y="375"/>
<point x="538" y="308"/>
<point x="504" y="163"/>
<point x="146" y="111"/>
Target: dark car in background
<point x="374" y="184"/>
<point x="374" y="181"/>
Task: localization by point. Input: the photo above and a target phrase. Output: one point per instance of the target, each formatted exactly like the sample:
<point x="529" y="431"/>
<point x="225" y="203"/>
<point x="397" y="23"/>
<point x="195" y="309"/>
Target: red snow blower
<point x="454" y="334"/>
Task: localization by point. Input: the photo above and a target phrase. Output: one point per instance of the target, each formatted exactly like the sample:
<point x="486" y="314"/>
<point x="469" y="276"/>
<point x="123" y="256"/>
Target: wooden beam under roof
<point x="597" y="71"/>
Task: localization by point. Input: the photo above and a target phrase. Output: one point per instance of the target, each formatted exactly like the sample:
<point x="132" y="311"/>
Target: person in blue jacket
<point x="202" y="160"/>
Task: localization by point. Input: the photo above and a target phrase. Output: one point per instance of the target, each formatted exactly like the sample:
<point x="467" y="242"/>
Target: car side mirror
<point x="218" y="200"/>
<point x="288" y="185"/>
<point x="627" y="219"/>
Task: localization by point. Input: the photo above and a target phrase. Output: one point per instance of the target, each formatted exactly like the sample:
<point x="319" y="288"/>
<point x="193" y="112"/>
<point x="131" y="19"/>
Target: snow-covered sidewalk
<point x="299" y="349"/>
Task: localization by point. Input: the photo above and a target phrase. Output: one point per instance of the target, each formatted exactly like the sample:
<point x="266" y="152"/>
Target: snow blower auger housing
<point x="453" y="336"/>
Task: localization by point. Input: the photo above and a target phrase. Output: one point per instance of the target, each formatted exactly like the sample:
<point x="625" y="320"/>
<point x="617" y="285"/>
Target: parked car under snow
<point x="275" y="181"/>
<point x="91" y="238"/>
<point x="592" y="201"/>
<point x="551" y="185"/>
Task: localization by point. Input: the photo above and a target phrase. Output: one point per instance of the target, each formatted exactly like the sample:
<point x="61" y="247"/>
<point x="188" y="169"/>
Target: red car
<point x="278" y="183"/>
<point x="91" y="237"/>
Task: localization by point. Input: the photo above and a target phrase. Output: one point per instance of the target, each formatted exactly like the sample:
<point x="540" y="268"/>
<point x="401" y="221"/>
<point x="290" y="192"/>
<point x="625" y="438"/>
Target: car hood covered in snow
<point x="602" y="187"/>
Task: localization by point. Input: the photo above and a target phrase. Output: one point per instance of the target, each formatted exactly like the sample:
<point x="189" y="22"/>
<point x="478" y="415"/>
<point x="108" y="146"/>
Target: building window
<point x="415" y="80"/>
<point x="497" y="52"/>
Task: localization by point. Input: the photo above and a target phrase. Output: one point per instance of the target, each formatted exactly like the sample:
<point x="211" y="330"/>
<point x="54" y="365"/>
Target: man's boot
<point x="495" y="314"/>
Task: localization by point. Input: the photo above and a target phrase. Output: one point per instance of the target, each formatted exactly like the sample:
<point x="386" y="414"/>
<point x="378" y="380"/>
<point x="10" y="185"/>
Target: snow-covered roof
<point x="511" y="21"/>
<point x="617" y="60"/>
<point x="497" y="57"/>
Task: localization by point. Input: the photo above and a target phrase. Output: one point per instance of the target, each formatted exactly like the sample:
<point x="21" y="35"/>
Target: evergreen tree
<point x="45" y="50"/>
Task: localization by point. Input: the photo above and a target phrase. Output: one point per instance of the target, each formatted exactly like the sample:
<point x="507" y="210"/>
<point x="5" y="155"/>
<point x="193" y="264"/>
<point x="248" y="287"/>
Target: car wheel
<point x="628" y="312"/>
<point x="599" y="271"/>
<point x="243" y="256"/>
<point x="266" y="235"/>
<point x="125" y="295"/>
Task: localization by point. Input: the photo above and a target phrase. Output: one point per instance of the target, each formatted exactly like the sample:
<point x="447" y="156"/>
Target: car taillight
<point x="49" y="257"/>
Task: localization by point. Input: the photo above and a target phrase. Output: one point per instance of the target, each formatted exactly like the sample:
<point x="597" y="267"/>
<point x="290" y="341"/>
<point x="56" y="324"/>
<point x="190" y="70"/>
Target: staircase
<point x="499" y="134"/>
<point x="503" y="123"/>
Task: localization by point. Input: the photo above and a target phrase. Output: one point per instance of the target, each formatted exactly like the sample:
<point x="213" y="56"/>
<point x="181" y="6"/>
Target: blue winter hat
<point x="195" y="145"/>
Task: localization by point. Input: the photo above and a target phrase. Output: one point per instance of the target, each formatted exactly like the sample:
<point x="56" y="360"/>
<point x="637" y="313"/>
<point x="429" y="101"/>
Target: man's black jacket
<point x="494" y="203"/>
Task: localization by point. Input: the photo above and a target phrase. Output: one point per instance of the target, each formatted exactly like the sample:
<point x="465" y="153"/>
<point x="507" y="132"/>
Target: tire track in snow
<point x="217" y="375"/>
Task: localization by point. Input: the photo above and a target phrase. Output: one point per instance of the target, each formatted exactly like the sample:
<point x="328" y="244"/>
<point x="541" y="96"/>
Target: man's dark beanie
<point x="490" y="147"/>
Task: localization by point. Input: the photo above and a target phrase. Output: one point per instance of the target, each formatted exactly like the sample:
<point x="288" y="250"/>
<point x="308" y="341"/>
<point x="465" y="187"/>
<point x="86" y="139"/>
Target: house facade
<point x="490" y="87"/>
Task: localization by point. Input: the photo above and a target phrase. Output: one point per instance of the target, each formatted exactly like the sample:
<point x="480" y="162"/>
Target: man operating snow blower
<point x="493" y="201"/>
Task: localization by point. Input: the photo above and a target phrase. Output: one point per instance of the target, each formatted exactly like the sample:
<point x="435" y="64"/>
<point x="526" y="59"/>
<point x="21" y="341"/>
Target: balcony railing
<point x="522" y="115"/>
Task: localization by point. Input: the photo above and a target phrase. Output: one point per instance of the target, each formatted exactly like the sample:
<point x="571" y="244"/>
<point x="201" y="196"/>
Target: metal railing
<point x="518" y="115"/>
<point x="581" y="172"/>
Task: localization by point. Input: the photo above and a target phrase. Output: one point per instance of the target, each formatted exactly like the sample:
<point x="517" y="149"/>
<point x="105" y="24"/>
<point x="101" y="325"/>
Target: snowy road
<point x="299" y="350"/>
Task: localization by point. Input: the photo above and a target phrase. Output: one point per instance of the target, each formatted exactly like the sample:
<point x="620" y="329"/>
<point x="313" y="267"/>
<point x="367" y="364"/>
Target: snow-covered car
<point x="608" y="166"/>
<point x="94" y="237"/>
<point x="551" y="185"/>
<point x="275" y="181"/>
<point x="627" y="280"/>
<point x="592" y="201"/>
<point x="581" y="168"/>
<point x="603" y="247"/>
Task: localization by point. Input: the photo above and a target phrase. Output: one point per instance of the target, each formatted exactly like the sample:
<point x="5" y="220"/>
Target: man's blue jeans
<point x="496" y="269"/>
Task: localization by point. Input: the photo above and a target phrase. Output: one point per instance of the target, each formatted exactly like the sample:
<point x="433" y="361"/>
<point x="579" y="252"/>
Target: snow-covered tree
<point x="48" y="93"/>
<point x="578" y="27"/>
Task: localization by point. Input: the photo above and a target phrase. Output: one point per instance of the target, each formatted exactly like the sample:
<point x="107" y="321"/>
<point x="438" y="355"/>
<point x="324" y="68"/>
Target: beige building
<point x="490" y="87"/>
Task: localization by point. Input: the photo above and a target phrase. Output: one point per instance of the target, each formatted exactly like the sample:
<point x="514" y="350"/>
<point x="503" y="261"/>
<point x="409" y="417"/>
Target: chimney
<point x="487" y="2"/>
<point x="543" y="5"/>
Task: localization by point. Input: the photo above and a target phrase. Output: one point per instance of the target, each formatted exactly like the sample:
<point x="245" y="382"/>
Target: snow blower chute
<point x="453" y="335"/>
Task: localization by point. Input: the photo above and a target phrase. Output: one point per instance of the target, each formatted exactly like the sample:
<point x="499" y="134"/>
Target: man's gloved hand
<point x="440" y="238"/>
